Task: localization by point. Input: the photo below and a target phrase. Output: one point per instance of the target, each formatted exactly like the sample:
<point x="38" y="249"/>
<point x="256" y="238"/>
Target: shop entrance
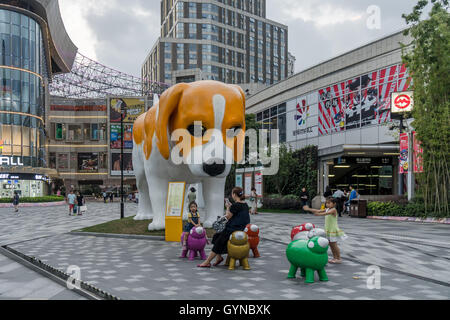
<point x="370" y="176"/>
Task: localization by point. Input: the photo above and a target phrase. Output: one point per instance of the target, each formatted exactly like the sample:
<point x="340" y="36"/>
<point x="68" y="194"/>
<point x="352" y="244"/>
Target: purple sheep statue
<point x="196" y="243"/>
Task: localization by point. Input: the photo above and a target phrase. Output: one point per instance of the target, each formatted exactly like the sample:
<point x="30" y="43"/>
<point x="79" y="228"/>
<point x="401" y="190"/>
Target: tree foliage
<point x="428" y="60"/>
<point x="298" y="169"/>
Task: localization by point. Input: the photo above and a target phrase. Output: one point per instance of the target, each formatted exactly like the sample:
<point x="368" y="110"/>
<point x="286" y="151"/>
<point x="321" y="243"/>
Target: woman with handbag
<point x="238" y="218"/>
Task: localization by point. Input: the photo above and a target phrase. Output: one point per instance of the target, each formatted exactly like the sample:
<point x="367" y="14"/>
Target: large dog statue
<point x="202" y="123"/>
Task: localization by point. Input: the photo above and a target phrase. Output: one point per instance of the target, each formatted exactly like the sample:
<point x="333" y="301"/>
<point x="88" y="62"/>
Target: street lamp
<point x="123" y="111"/>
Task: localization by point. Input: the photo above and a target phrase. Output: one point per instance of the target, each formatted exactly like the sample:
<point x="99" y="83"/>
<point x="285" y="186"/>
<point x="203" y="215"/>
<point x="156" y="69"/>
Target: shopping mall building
<point x="33" y="46"/>
<point x="343" y="106"/>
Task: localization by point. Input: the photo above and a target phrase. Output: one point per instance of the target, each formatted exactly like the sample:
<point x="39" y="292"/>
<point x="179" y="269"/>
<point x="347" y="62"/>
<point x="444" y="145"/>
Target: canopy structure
<point x="91" y="79"/>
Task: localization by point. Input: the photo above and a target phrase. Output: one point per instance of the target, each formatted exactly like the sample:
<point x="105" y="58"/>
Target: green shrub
<point x="34" y="200"/>
<point x="414" y="208"/>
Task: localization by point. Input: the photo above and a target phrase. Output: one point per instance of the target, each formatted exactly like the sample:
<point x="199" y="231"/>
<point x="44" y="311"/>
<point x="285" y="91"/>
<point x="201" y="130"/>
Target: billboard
<point x="127" y="164"/>
<point x="361" y="101"/>
<point x="404" y="150"/>
<point x="116" y="136"/>
<point x="87" y="162"/>
<point x="133" y="108"/>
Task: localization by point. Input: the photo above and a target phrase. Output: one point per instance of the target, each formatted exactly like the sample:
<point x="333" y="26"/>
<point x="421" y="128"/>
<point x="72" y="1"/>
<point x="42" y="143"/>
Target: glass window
<point x="74" y="132"/>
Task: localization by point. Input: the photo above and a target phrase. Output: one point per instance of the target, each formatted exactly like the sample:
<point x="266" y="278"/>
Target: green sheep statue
<point x="308" y="255"/>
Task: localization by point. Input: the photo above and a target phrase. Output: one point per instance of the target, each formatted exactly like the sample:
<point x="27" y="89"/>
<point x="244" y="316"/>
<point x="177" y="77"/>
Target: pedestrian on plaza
<point x="130" y="197"/>
<point x="71" y="198"/>
<point x="332" y="230"/>
<point x="253" y="202"/>
<point x="16" y="200"/>
<point x="104" y="196"/>
<point x="136" y="196"/>
<point x="111" y="197"/>
<point x="338" y="195"/>
<point x="80" y="203"/>
<point x="193" y="221"/>
<point x="353" y="195"/>
<point x="238" y="218"/>
<point x="304" y="197"/>
<point x="192" y="195"/>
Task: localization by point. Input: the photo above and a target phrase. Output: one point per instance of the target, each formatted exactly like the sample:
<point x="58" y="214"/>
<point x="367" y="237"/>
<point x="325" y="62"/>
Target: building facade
<point x="226" y="40"/>
<point x="85" y="140"/>
<point x="33" y="46"/>
<point x="343" y="107"/>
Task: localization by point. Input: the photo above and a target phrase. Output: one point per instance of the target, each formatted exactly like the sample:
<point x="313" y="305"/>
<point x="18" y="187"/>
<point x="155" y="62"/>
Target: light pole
<point x="122" y="115"/>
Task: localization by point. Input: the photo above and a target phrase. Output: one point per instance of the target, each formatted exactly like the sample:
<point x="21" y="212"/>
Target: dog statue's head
<point x="202" y="123"/>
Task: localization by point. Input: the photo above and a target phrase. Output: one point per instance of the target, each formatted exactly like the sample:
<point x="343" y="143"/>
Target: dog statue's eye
<point x="234" y="131"/>
<point x="196" y="131"/>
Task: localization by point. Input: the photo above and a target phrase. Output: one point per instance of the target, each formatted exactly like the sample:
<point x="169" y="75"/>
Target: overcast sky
<point x="120" y="33"/>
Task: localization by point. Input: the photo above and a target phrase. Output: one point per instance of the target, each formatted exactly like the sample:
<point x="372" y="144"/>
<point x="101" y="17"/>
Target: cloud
<point x="320" y="13"/>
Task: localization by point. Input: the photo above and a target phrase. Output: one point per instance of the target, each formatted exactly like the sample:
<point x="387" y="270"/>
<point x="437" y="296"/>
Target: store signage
<point x="402" y="102"/>
<point x="11" y="161"/>
<point x="24" y="176"/>
<point x="404" y="149"/>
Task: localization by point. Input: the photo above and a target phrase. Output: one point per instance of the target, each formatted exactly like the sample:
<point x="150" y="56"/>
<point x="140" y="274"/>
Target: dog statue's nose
<point x="214" y="169"/>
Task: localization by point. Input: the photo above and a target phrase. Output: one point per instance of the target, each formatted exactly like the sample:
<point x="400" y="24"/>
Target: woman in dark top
<point x="238" y="217"/>
<point x="80" y="202"/>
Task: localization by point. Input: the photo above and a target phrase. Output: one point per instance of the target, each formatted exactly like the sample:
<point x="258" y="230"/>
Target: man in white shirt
<point x="338" y="195"/>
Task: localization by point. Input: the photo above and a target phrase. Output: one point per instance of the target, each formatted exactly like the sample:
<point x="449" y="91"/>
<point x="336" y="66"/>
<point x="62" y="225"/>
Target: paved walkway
<point x="148" y="269"/>
<point x="19" y="282"/>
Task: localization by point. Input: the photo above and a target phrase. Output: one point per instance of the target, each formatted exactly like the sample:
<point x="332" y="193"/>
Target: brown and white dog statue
<point x="193" y="134"/>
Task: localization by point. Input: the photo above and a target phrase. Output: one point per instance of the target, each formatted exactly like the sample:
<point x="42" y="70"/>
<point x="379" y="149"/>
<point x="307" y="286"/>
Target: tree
<point x="250" y="123"/>
<point x="428" y="60"/>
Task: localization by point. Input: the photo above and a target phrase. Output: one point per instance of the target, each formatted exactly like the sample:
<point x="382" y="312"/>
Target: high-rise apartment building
<point x="225" y="40"/>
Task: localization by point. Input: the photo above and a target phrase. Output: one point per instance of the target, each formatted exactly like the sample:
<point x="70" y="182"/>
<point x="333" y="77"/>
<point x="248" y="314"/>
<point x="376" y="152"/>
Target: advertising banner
<point x="175" y="198"/>
<point x="116" y="136"/>
<point x="239" y="182"/>
<point x="418" y="152"/>
<point x="259" y="183"/>
<point x="248" y="177"/>
<point x="361" y="101"/>
<point x="127" y="163"/>
<point x="88" y="162"/>
<point x="133" y="107"/>
<point x="404" y="147"/>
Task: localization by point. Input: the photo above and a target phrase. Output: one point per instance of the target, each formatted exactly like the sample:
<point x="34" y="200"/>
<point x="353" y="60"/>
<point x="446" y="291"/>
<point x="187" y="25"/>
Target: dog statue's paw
<point x="155" y="226"/>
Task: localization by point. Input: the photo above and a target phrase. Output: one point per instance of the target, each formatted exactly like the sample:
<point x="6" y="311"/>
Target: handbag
<point x="220" y="224"/>
<point x="83" y="209"/>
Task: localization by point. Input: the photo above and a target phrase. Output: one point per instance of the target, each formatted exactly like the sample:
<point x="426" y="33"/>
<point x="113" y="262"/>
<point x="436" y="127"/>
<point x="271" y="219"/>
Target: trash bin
<point x="358" y="208"/>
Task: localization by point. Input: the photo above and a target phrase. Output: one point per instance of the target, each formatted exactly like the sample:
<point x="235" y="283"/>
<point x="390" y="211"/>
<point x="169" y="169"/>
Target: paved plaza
<point x="414" y="260"/>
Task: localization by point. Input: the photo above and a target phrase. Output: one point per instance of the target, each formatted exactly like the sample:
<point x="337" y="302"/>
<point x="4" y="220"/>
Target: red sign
<point x="418" y="151"/>
<point x="402" y="102"/>
<point x="404" y="148"/>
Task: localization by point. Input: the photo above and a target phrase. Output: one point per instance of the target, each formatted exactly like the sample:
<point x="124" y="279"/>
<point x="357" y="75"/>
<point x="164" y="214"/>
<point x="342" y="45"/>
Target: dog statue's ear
<point x="168" y="103"/>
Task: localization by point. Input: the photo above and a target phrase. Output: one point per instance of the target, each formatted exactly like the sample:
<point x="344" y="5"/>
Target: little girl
<point x="334" y="234"/>
<point x="193" y="221"/>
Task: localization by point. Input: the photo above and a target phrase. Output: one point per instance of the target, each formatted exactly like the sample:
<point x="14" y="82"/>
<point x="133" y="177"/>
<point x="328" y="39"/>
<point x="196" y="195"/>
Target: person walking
<point x="192" y="195"/>
<point x="80" y="203"/>
<point x="104" y="196"/>
<point x="338" y="195"/>
<point x="71" y="198"/>
<point x="304" y="198"/>
<point x="111" y="197"/>
<point x="16" y="200"/>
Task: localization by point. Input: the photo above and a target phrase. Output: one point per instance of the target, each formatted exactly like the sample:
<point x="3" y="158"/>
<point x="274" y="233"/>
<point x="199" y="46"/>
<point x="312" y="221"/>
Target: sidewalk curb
<point x="411" y="219"/>
<point x="121" y="236"/>
<point x="34" y="205"/>
<point x="114" y="235"/>
<point x="86" y="290"/>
